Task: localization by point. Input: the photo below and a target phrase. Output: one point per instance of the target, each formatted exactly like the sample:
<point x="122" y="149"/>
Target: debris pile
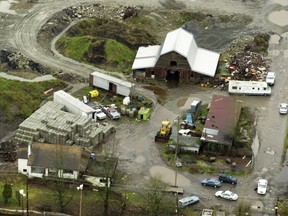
<point x="247" y="66"/>
<point x="15" y="60"/>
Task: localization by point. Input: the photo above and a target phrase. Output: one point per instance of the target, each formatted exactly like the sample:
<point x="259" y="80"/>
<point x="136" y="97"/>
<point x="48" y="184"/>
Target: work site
<point x="143" y="108"/>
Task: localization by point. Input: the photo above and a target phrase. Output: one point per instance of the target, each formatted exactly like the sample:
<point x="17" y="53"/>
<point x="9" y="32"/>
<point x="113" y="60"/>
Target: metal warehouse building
<point x="112" y="84"/>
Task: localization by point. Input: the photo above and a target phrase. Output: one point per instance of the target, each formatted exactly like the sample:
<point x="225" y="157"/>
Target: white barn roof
<point x="200" y="60"/>
<point x="146" y="57"/>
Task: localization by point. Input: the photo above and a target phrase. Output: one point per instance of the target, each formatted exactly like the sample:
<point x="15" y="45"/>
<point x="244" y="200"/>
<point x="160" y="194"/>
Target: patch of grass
<point x="75" y="47"/>
<point x="23" y="98"/>
<point x="120" y="54"/>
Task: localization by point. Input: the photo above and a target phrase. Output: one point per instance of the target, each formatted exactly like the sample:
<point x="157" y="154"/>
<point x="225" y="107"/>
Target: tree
<point x="109" y="161"/>
<point x="7" y="192"/>
<point x="154" y="194"/>
<point x="62" y="191"/>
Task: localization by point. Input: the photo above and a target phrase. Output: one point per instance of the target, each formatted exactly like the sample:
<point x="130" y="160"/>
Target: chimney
<point x="29" y="149"/>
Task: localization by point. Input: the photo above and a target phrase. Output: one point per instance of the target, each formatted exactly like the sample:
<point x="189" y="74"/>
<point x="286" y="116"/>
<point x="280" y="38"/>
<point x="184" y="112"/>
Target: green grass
<point x="119" y="53"/>
<point x="75" y="47"/>
<point x="23" y="98"/>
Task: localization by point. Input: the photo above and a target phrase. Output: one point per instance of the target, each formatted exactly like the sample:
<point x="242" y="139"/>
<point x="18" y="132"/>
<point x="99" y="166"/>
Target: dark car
<point x="211" y="182"/>
<point x="227" y="178"/>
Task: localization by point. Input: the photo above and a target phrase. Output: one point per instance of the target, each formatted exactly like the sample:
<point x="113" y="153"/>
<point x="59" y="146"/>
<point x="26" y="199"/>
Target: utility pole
<point x="80" y="188"/>
<point x="27" y="202"/>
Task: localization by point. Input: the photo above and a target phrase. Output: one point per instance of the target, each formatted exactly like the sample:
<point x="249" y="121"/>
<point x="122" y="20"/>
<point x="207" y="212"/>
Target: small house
<point x="42" y="160"/>
<point x="111" y="84"/>
<point x="221" y="121"/>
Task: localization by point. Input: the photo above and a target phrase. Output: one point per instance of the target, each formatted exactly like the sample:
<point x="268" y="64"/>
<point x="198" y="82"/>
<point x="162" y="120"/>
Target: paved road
<point x="271" y="126"/>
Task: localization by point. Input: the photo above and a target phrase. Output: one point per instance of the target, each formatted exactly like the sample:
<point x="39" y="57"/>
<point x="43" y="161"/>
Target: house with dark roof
<point x="178" y="57"/>
<point x="219" y="129"/>
<point x="42" y="160"/>
<point x="53" y="160"/>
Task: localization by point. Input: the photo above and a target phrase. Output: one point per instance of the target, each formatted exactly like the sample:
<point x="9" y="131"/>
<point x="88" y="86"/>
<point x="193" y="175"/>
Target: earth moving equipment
<point x="165" y="131"/>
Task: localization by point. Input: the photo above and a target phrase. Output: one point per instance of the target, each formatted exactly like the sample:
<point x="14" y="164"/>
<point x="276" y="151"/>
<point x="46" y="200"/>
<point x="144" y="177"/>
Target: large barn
<point x="178" y="58"/>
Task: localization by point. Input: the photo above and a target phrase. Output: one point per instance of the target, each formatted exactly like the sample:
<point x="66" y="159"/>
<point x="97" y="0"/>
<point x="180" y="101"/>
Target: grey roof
<point x="73" y="158"/>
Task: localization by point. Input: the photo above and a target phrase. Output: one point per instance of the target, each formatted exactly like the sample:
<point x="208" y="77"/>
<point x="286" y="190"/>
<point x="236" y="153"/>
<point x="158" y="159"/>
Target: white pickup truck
<point x="100" y="114"/>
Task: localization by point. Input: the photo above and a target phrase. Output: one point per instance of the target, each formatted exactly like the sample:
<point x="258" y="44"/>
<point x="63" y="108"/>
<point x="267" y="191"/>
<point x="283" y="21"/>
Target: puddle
<point x="5" y="7"/>
<point x="279" y="17"/>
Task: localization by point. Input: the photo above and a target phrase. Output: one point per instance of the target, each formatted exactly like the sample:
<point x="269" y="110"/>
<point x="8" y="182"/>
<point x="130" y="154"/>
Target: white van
<point x="249" y="87"/>
<point x="188" y="201"/>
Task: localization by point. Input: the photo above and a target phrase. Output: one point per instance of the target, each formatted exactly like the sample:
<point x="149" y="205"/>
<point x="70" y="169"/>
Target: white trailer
<point x="73" y="105"/>
<point x="249" y="87"/>
<point x="111" y="83"/>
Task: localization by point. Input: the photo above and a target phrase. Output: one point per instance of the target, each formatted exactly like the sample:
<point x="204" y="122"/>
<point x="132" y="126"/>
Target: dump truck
<point x="165" y="131"/>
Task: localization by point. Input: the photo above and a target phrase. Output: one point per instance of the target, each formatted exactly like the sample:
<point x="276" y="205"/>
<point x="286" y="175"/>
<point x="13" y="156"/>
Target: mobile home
<point x="248" y="87"/>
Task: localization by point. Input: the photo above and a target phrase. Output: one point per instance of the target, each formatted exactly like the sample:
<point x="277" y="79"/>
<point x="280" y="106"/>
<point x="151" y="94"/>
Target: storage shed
<point x="144" y="113"/>
<point x="112" y="84"/>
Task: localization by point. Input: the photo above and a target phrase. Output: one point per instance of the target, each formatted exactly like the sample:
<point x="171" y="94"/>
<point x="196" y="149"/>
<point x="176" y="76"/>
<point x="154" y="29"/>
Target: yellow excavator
<point x="165" y="131"/>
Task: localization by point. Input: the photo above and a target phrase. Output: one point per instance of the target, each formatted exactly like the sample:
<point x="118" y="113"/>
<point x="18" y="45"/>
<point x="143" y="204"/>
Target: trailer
<point x="73" y="105"/>
<point x="249" y="87"/>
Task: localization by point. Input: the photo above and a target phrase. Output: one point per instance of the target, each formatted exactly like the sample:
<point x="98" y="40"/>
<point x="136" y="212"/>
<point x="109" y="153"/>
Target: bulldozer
<point x="165" y="131"/>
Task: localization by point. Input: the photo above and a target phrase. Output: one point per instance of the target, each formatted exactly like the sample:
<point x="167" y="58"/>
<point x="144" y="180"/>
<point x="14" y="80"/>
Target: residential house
<point x="42" y="160"/>
<point x="219" y="129"/>
<point x="178" y="57"/>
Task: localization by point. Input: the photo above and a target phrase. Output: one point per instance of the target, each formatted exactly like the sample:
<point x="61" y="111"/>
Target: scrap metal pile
<point x="247" y="66"/>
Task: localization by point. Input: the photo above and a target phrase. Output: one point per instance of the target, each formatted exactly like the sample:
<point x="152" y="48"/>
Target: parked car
<point x="283" y="109"/>
<point x="262" y="186"/>
<point x="223" y="177"/>
<point x="111" y="112"/>
<point x="100" y="114"/>
<point x="188" y="201"/>
<point x="270" y="78"/>
<point x="226" y="195"/>
<point x="184" y="132"/>
<point x="211" y="182"/>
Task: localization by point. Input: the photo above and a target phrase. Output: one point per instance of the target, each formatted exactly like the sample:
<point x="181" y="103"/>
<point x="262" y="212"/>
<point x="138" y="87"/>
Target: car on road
<point x="211" y="182"/>
<point x="226" y="195"/>
<point x="223" y="177"/>
<point x="283" y="108"/>
<point x="270" y="78"/>
<point x="100" y="114"/>
<point x="188" y="201"/>
<point x="262" y="186"/>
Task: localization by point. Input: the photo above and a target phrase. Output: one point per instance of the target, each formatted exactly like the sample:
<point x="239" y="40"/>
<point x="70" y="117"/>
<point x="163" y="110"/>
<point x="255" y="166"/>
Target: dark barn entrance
<point x="172" y="78"/>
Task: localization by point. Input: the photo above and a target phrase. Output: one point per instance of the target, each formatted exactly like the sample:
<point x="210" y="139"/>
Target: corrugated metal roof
<point x="221" y="120"/>
<point x="146" y="57"/>
<point x="200" y="60"/>
<point x="112" y="79"/>
<point x="206" y="62"/>
<point x="180" y="41"/>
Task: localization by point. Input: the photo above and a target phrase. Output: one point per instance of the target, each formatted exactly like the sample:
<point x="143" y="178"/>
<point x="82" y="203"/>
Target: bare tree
<point x="109" y="162"/>
<point x="154" y="194"/>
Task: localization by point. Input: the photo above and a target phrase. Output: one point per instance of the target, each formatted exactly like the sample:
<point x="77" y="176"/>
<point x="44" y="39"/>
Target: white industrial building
<point x="73" y="105"/>
<point x="112" y="84"/>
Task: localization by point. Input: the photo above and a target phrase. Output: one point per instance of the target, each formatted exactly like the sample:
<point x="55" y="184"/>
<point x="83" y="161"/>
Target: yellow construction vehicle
<point x="165" y="131"/>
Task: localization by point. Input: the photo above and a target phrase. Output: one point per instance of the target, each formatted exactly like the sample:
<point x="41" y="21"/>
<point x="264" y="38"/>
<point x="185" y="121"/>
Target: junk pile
<point x="247" y="66"/>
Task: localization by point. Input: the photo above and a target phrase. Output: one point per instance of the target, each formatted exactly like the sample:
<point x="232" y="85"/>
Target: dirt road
<point x="138" y="154"/>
